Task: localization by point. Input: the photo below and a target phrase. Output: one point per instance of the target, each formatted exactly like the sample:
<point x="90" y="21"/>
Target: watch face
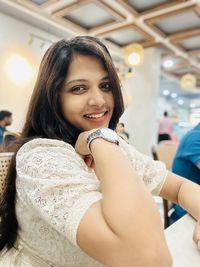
<point x="104" y="133"/>
<point x="108" y="133"/>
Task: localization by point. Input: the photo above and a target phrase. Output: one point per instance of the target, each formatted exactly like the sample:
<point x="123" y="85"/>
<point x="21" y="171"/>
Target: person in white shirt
<point x="77" y="194"/>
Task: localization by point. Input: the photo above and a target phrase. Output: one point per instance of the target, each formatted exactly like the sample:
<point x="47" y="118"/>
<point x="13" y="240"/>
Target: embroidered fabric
<point x="54" y="190"/>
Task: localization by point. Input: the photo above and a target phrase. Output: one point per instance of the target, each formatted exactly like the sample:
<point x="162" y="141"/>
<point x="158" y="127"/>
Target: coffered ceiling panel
<point x="177" y="21"/>
<point x="123" y="36"/>
<point x="40" y="3"/>
<point x="183" y="70"/>
<point x="192" y="43"/>
<point x="145" y="6"/>
<point x="96" y="14"/>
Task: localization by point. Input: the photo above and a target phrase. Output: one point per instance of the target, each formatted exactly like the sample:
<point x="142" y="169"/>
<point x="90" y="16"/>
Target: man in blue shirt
<point x="187" y="164"/>
<point x="5" y="120"/>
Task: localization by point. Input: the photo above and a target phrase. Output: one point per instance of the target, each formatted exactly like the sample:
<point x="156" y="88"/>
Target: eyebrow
<point x="83" y="80"/>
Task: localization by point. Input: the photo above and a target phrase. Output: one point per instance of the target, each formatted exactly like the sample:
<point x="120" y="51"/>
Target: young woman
<point x="77" y="194"/>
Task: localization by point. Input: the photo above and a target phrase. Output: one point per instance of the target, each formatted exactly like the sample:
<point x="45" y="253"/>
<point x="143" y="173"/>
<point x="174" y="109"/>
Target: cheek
<point x="111" y="100"/>
<point x="71" y="106"/>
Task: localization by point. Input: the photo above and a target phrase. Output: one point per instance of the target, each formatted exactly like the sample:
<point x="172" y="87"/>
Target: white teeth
<point x="95" y="115"/>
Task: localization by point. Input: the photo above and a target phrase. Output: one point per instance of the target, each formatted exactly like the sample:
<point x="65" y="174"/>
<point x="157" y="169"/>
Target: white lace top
<point x="54" y="190"/>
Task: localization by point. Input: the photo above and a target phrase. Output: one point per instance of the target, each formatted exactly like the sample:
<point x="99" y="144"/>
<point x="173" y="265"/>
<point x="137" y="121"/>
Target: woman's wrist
<point x="104" y="133"/>
<point x="101" y="145"/>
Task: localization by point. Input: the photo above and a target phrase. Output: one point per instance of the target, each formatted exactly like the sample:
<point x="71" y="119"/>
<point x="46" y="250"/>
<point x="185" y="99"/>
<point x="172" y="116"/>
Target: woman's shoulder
<point x="44" y="144"/>
<point x="48" y="154"/>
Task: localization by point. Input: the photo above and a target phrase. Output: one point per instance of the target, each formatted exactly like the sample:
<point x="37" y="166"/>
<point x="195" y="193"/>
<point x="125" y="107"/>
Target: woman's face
<point x="86" y="97"/>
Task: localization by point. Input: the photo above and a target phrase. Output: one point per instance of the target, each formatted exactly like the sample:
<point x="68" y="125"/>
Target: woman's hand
<point x="196" y="235"/>
<point x="81" y="144"/>
<point x="89" y="161"/>
<point x="81" y="147"/>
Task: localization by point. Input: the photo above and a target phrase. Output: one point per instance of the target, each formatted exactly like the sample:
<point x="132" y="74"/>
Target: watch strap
<point x="104" y="133"/>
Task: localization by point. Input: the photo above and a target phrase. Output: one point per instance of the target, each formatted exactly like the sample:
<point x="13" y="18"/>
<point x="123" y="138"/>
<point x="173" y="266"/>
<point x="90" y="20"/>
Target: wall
<point x="14" y="38"/>
<point x="140" y="118"/>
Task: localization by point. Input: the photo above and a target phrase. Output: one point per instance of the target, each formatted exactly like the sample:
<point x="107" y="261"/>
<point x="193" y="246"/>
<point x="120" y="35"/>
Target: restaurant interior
<point x="155" y="45"/>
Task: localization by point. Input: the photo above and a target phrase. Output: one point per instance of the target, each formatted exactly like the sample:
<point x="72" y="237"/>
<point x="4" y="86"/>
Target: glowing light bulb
<point x="18" y="69"/>
<point x="168" y="63"/>
<point x="134" y="58"/>
<point x="188" y="81"/>
<point x="134" y="55"/>
<point x="166" y="92"/>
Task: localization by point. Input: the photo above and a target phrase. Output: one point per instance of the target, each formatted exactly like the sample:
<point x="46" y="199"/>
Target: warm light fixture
<point x="134" y="55"/>
<point x="188" y="81"/>
<point x="18" y="69"/>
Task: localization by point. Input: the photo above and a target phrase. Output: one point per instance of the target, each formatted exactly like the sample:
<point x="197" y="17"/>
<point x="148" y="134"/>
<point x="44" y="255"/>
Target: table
<point x="181" y="245"/>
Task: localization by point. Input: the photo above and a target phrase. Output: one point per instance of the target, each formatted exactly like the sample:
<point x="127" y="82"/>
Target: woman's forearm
<point x="182" y="191"/>
<point x="188" y="197"/>
<point x="127" y="205"/>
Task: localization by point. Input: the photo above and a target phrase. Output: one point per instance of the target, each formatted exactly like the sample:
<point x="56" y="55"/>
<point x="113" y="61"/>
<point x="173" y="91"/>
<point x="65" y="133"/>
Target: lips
<point x="99" y="119"/>
<point x="96" y="115"/>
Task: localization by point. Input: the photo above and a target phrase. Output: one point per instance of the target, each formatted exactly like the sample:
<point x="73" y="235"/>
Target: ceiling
<point x="173" y="26"/>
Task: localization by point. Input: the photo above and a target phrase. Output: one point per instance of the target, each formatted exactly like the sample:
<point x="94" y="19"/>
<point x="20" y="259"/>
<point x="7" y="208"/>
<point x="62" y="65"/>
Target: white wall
<point x="14" y="38"/>
<point x="140" y="118"/>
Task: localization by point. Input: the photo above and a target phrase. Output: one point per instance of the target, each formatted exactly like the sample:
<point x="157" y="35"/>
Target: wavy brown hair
<point x="44" y="117"/>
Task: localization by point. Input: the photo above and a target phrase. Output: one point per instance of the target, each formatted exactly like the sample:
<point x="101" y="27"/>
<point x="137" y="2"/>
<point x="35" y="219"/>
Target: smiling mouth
<point x="96" y="116"/>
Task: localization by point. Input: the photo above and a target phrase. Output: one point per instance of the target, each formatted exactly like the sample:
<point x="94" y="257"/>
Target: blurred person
<point x="165" y="128"/>
<point x="120" y="129"/>
<point x="77" y="194"/>
<point x="5" y="120"/>
<point x="187" y="164"/>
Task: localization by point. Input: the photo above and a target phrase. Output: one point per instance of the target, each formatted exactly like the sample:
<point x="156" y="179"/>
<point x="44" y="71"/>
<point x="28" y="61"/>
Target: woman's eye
<point x="106" y="86"/>
<point x="78" y="89"/>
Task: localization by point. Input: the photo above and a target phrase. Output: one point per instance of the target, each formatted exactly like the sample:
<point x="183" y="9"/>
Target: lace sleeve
<point x="152" y="172"/>
<point x="56" y="183"/>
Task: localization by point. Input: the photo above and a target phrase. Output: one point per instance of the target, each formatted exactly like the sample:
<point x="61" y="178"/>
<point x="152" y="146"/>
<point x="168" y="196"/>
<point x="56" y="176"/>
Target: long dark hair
<point x="44" y="117"/>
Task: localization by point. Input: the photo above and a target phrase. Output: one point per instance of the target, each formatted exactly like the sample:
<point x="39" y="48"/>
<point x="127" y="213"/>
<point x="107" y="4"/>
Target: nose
<point x="96" y="98"/>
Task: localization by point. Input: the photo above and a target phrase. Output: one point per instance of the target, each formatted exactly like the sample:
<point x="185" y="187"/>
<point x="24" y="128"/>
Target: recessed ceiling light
<point x="165" y="92"/>
<point x="192" y="105"/>
<point x="180" y="102"/>
<point x="173" y="95"/>
<point x="168" y="63"/>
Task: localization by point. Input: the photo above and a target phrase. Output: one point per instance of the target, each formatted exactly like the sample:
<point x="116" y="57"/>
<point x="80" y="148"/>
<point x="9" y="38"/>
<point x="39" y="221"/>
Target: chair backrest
<point x="166" y="153"/>
<point x="5" y="159"/>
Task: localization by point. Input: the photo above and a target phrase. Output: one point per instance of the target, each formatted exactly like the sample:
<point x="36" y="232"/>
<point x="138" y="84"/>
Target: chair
<point x="165" y="153"/>
<point x="5" y="159"/>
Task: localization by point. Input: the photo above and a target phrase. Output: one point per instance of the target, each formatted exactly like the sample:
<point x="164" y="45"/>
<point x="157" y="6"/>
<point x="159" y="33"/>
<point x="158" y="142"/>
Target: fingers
<point x="88" y="160"/>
